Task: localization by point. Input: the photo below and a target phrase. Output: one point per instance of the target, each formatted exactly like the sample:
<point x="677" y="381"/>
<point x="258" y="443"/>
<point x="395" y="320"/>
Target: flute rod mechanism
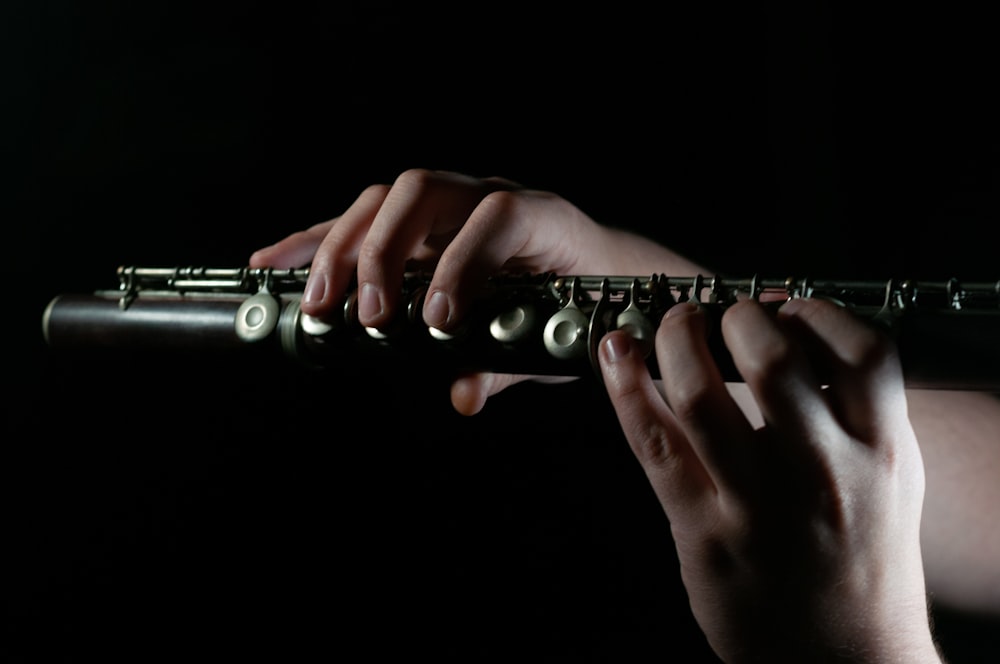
<point x="948" y="332"/>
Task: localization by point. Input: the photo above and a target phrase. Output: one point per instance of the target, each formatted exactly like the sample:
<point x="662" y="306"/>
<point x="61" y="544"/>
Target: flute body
<point x="947" y="333"/>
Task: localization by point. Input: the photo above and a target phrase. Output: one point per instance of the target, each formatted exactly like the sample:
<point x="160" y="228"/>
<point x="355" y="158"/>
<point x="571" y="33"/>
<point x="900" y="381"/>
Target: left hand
<point x="466" y="229"/>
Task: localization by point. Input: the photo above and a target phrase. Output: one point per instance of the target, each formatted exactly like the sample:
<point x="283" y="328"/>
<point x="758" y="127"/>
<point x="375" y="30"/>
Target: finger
<point x="293" y="251"/>
<point x="469" y="393"/>
<point x="422" y="212"/>
<point x="857" y="361"/>
<point x="505" y="231"/>
<point x="697" y="394"/>
<point x="776" y="370"/>
<point x="335" y="260"/>
<point x="657" y="440"/>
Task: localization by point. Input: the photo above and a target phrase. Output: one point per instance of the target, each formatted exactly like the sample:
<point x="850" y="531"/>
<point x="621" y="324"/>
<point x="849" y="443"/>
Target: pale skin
<point x="841" y="554"/>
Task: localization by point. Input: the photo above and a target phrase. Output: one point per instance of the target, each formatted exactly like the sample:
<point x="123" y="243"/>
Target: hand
<point x="798" y="540"/>
<point x="466" y="229"/>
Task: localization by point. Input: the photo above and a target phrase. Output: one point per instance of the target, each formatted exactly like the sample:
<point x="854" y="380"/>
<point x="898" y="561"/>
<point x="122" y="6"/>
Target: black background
<point x="183" y="507"/>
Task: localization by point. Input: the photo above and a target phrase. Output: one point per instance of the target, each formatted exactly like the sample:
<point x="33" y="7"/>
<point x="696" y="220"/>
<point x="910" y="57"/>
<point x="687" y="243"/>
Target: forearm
<point x="959" y="435"/>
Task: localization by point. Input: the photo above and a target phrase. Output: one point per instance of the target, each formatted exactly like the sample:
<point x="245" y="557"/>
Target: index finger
<point x="657" y="439"/>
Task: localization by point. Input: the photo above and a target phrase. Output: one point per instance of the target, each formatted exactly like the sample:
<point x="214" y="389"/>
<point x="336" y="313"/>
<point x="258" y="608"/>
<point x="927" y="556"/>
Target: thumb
<point x="470" y="392"/>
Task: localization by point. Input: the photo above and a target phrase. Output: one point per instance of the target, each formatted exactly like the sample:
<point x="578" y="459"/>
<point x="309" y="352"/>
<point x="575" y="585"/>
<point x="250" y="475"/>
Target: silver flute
<point x="947" y="332"/>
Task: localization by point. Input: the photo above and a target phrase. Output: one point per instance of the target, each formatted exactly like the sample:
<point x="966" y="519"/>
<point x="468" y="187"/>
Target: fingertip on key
<point x="682" y="309"/>
<point x="371" y="303"/>
<point x="792" y="306"/>
<point x="257" y="258"/>
<point x="617" y="346"/>
<point x="437" y="310"/>
<point x="315" y="290"/>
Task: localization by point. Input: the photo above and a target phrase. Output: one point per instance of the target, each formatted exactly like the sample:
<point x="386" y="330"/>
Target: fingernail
<point x="369" y="302"/>
<point x="437" y="310"/>
<point x="791" y="307"/>
<point x="315" y="289"/>
<point x="618" y="346"/>
<point x="681" y="308"/>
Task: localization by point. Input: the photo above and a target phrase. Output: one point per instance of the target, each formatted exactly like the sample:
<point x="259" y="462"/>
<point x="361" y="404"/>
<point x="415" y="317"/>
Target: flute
<point x="947" y="332"/>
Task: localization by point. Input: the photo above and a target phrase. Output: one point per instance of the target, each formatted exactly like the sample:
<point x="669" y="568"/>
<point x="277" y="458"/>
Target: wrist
<point x="636" y="255"/>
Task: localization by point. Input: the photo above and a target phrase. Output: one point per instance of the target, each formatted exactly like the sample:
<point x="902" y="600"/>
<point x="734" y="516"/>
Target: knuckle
<point x="774" y="359"/>
<point x="415" y="181"/>
<point x="415" y="176"/>
<point x="653" y="447"/>
<point x="872" y="353"/>
<point x="373" y="251"/>
<point x="502" y="203"/>
<point x="692" y="401"/>
<point x="375" y="191"/>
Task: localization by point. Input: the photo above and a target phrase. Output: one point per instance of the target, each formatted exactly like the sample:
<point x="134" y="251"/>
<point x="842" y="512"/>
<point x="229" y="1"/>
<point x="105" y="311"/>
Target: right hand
<point x="467" y="229"/>
<point x="798" y="539"/>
